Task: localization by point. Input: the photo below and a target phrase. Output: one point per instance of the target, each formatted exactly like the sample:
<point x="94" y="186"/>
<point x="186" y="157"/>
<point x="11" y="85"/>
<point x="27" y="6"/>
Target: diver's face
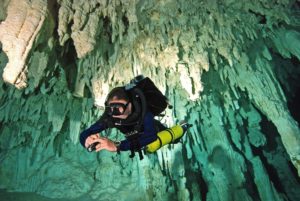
<point x="119" y="108"/>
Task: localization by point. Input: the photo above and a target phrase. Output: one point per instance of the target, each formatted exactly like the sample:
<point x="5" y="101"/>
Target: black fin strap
<point x="135" y="146"/>
<point x="132" y="147"/>
<point x="132" y="153"/>
<point x="171" y="133"/>
<point x="160" y="142"/>
<point x="141" y="154"/>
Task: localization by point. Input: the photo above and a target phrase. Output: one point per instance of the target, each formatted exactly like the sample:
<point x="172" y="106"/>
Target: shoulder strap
<point x="138" y="94"/>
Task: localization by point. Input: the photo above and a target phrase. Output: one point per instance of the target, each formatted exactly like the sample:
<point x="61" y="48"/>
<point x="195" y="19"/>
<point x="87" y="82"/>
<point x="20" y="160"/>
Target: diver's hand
<point x="91" y="139"/>
<point x="105" y="143"/>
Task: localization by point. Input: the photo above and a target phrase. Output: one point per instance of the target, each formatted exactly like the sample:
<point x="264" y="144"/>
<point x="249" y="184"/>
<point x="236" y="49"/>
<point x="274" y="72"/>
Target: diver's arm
<point x="95" y="128"/>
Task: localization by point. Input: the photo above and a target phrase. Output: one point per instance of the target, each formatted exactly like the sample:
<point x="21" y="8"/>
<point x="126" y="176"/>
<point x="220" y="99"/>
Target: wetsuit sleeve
<point x="95" y="128"/>
<point x="149" y="135"/>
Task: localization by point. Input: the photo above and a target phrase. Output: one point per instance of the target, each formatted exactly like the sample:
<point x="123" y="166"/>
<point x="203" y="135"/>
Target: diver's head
<point x="118" y="103"/>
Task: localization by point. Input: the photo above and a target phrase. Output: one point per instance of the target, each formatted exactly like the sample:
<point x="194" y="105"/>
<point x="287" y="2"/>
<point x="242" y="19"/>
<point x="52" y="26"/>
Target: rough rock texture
<point x="19" y="31"/>
<point x="231" y="68"/>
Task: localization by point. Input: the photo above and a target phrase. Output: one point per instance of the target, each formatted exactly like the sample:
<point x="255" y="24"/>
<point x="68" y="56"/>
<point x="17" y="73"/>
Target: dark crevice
<point x="69" y="27"/>
<point x="288" y="75"/>
<point x="294" y="172"/>
<point x="249" y="184"/>
<point x="66" y="55"/>
<point x="3" y="59"/>
<point x="3" y="10"/>
<point x="126" y="24"/>
<point x="243" y="131"/>
<point x="67" y="60"/>
<point x="277" y="150"/>
<point x="200" y="135"/>
<point x="270" y="170"/>
<point x="194" y="177"/>
<point x="107" y="29"/>
<point x="269" y="130"/>
<point x="296" y="6"/>
<point x="171" y="183"/>
<point x="262" y="18"/>
<point x="203" y="186"/>
<point x="180" y="51"/>
<point x="294" y="106"/>
<point x="179" y="11"/>
<point x="251" y="188"/>
<point x="163" y="169"/>
<point x="53" y="7"/>
<point x="87" y="92"/>
<point x="193" y="85"/>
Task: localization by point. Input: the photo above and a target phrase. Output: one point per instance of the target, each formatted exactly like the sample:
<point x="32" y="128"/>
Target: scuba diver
<point x="131" y="109"/>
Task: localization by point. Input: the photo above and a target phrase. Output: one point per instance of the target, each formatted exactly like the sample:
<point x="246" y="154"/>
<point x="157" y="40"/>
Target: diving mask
<point x="115" y="109"/>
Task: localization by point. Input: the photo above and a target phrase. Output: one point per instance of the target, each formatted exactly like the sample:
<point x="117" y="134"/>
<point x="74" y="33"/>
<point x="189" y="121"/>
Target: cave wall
<point x="231" y="68"/>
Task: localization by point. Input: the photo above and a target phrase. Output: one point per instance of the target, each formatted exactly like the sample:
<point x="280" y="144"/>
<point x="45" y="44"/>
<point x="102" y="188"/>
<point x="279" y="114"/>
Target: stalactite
<point x="18" y="33"/>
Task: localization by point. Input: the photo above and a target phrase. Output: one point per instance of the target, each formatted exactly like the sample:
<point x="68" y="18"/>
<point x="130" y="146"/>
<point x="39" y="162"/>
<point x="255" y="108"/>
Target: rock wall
<point x="231" y="68"/>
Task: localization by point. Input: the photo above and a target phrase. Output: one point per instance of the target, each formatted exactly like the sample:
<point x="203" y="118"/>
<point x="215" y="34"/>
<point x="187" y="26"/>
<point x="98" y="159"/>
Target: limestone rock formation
<point x="231" y="68"/>
<point x="18" y="33"/>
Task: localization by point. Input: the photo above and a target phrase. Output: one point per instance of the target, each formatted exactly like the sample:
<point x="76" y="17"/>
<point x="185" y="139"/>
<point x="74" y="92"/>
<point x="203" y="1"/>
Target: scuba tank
<point x="167" y="136"/>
